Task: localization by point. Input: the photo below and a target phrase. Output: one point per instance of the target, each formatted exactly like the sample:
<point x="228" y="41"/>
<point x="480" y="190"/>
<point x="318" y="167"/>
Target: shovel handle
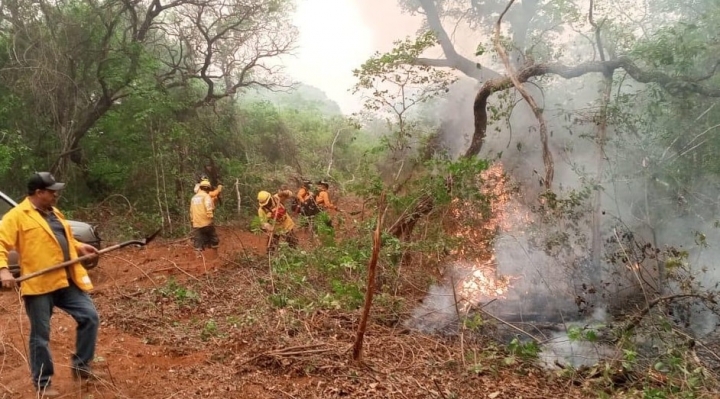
<point x="70" y="262"/>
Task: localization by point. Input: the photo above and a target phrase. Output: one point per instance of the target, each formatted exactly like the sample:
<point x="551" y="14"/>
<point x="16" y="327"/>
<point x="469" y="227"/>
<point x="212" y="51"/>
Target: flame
<point x="476" y="259"/>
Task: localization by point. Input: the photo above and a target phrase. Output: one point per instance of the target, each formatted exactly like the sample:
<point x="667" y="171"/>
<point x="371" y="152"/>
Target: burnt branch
<point x="638" y="317"/>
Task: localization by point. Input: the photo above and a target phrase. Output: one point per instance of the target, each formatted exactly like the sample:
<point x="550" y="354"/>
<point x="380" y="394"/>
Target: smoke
<point x="560" y="350"/>
<point x="636" y="198"/>
<point x="466" y="284"/>
<point x="437" y="313"/>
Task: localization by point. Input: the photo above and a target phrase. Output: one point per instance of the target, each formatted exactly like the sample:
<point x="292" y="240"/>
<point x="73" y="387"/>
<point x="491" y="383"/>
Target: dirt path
<point x="174" y="326"/>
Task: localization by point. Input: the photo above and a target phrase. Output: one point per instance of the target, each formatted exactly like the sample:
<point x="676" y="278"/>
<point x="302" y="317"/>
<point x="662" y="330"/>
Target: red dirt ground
<point x="154" y="345"/>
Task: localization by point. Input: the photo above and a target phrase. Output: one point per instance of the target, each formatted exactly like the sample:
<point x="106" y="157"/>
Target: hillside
<point x="174" y="326"/>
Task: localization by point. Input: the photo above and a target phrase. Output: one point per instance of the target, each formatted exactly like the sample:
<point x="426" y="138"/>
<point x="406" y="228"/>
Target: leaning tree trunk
<point x="404" y="225"/>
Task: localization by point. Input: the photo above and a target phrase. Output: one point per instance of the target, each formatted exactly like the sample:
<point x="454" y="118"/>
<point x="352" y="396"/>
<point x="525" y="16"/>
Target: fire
<point x="483" y="283"/>
<point x="477" y="266"/>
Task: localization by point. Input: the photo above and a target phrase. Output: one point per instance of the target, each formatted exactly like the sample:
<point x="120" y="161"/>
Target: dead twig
<point x="439" y="388"/>
<point x="181" y="269"/>
<point x="309" y="351"/>
<point x="290" y="351"/>
<point x="637" y="318"/>
<point x="699" y="343"/>
<point x="518" y="329"/>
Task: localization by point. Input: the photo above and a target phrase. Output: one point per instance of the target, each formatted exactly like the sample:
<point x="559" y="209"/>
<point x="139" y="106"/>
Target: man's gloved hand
<point x="267" y="227"/>
<point x="7" y="279"/>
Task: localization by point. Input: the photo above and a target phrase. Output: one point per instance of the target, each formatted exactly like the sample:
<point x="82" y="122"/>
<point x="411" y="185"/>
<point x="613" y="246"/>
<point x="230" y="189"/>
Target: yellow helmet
<point x="264" y="198"/>
<point x="205" y="183"/>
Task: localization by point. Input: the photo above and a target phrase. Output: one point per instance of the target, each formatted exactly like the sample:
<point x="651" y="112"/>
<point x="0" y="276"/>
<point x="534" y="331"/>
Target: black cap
<point x="44" y="181"/>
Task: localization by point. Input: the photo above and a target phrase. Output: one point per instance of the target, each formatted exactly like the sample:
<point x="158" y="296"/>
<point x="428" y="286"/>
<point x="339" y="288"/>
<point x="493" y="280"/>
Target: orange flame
<point x="477" y="229"/>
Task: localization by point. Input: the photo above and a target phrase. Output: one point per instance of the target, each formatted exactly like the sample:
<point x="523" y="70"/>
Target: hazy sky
<point x="337" y="36"/>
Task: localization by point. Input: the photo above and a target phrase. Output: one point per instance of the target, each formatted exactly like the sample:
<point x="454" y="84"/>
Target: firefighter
<point x="214" y="192"/>
<point x="275" y="219"/>
<point x="322" y="198"/>
<point x="202" y="206"/>
<point x="284" y="195"/>
<point x="304" y="196"/>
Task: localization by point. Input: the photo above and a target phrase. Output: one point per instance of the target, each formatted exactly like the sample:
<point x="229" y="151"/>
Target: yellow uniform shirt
<point x="201" y="209"/>
<point x="323" y="200"/>
<point x="282" y="224"/>
<point x="24" y="230"/>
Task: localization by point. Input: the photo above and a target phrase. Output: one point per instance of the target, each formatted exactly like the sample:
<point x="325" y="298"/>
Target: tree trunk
<point x="370" y="288"/>
<point x="596" y="236"/>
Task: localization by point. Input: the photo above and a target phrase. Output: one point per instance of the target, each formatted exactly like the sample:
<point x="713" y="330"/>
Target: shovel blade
<point x="151" y="237"/>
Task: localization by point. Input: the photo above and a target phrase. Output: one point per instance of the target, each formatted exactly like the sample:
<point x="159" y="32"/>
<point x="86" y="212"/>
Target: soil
<point x="177" y="326"/>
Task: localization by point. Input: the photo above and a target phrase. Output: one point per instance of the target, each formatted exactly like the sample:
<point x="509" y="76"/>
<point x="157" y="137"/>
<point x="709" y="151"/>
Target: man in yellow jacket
<point x="214" y="192"/>
<point x="275" y="220"/>
<point x="42" y="237"/>
<point x="202" y="206"/>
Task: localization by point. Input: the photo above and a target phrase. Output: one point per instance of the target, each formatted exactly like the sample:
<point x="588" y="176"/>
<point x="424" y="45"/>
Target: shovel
<point x="67" y="263"/>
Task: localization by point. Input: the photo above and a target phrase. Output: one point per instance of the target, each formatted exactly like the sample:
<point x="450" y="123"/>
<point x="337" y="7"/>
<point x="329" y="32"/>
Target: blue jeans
<point x="39" y="308"/>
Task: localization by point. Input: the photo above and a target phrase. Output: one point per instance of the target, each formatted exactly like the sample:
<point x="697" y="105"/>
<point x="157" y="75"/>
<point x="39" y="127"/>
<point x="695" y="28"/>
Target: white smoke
<point x="436" y="313"/>
<point x="561" y="350"/>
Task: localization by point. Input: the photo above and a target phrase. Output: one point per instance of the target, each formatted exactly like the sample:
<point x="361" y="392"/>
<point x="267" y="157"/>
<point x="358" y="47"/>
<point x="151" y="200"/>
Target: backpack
<point x="309" y="208"/>
<point x="295" y="205"/>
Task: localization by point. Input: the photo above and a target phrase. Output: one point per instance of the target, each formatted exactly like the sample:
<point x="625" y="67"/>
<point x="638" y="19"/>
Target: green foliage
<point x="398" y="67"/>
<point x="576" y="333"/>
<point x="396" y="86"/>
<point x="524" y="350"/>
<point x="337" y="271"/>
<point x="12" y="150"/>
<point x="182" y="295"/>
<point x="562" y="222"/>
<point x="209" y="330"/>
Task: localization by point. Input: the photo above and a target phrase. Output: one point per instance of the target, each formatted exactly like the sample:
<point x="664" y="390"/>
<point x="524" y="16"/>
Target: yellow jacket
<point x="284" y="222"/>
<point x="303" y="194"/>
<point x="323" y="200"/>
<point x="25" y="230"/>
<point x="201" y="209"/>
<point x="214" y="193"/>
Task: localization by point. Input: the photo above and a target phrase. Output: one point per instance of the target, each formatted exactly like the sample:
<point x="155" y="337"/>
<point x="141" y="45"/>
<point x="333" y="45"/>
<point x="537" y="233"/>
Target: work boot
<point x="48" y="392"/>
<point x="88" y="375"/>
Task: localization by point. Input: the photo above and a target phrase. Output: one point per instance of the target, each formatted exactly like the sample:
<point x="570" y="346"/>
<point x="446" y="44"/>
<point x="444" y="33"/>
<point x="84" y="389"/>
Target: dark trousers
<point x="39" y="309"/>
<point x="205" y="237"/>
<point x="274" y="241"/>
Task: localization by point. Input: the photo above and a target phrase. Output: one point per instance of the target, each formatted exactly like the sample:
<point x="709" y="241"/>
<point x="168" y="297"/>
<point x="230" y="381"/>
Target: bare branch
<point x="547" y="155"/>
<point x="455" y="59"/>
<point x="437" y="63"/>
<point x="671" y="84"/>
<point x="597" y="27"/>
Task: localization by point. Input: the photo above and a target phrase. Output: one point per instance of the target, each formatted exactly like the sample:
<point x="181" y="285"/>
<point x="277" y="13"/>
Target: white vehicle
<point x="81" y="231"/>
